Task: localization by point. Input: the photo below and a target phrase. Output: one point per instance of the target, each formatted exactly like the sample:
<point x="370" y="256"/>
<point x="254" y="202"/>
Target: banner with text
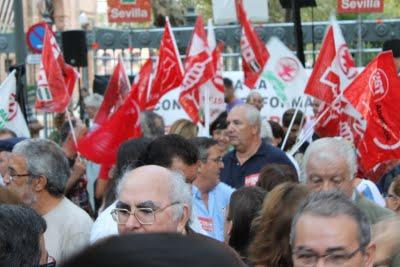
<point x="359" y="6"/>
<point x="120" y="11"/>
<point x="169" y="107"/>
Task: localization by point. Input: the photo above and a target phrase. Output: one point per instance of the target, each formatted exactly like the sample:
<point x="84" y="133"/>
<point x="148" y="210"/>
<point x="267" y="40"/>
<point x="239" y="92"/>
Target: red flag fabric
<point x="198" y="70"/>
<point x="253" y="50"/>
<point x="56" y="78"/>
<point x="101" y="144"/>
<point x="332" y="73"/>
<point x="375" y="95"/>
<point x="117" y="90"/>
<point x="140" y="87"/>
<point x="169" y="70"/>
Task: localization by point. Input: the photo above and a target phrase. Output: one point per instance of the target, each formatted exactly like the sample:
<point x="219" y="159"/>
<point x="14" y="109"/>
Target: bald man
<point x="152" y="199"/>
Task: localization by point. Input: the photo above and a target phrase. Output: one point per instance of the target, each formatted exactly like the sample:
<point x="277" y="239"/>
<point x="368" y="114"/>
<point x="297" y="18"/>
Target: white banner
<point x="169" y="107"/>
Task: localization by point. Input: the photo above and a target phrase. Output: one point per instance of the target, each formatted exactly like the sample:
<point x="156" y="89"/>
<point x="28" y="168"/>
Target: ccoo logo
<point x="379" y="84"/>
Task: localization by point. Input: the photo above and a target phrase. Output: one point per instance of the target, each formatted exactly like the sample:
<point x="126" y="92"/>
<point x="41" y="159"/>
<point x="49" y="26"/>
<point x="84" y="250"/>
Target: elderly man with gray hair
<point x="330" y="163"/>
<point x="343" y="237"/>
<point x="37" y="172"/>
<point x="92" y="104"/>
<point x="152" y="199"/>
<point x="242" y="165"/>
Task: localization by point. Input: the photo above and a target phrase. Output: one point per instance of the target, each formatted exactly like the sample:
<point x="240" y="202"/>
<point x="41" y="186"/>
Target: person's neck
<point x="249" y="151"/>
<point x="204" y="189"/>
<point x="202" y="185"/>
<point x="46" y="203"/>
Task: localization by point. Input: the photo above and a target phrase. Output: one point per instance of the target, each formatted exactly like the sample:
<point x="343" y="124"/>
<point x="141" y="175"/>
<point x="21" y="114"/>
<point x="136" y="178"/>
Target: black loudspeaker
<point x="301" y="3"/>
<point x="75" y="48"/>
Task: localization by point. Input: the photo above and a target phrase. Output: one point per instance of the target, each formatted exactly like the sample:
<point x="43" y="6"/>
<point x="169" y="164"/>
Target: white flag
<point x="284" y="71"/>
<point x="10" y="112"/>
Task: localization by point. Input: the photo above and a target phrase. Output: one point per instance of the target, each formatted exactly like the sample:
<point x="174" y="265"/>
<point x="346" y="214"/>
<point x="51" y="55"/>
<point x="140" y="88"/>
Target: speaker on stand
<point x="76" y="54"/>
<point x="296" y="5"/>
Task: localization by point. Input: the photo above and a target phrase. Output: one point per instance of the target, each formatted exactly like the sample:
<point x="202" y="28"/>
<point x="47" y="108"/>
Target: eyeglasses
<point x="13" y="176"/>
<point x="217" y="160"/>
<point x="145" y="216"/>
<point x="388" y="195"/>
<point x="309" y="259"/>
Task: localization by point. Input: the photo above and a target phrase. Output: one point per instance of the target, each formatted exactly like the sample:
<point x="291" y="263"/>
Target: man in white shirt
<point x="37" y="173"/>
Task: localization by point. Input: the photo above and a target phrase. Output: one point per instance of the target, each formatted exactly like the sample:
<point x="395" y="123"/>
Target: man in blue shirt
<point x="210" y="196"/>
<point x="243" y="164"/>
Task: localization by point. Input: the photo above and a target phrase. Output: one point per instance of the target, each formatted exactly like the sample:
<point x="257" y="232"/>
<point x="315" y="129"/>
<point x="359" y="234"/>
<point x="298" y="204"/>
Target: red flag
<point x="169" y="70"/>
<point x="332" y="73"/>
<point x="375" y="95"/>
<point x="102" y="143"/>
<point x="117" y="90"/>
<point x="140" y="87"/>
<point x="253" y="50"/>
<point x="56" y="78"/>
<point x="198" y="70"/>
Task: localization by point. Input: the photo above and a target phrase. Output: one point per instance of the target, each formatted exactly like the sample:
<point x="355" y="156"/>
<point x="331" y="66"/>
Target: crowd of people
<point x="235" y="198"/>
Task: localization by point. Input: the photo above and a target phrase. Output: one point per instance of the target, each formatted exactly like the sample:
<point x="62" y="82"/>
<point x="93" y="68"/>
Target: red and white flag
<point x="375" y="95"/>
<point x="169" y="70"/>
<point x="333" y="71"/>
<point x="56" y="80"/>
<point x="215" y="86"/>
<point x="117" y="90"/>
<point x="101" y="144"/>
<point x="198" y="70"/>
<point x="254" y="52"/>
<point x="10" y="112"/>
<point x="141" y="84"/>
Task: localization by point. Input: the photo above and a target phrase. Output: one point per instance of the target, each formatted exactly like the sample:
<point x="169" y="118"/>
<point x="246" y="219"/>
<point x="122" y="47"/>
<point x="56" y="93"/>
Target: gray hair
<point x="332" y="148"/>
<point x="203" y="144"/>
<point x="179" y="191"/>
<point x="93" y="100"/>
<point x="150" y="127"/>
<point x="252" y="114"/>
<point x="251" y="94"/>
<point x="45" y="158"/>
<point x="331" y="204"/>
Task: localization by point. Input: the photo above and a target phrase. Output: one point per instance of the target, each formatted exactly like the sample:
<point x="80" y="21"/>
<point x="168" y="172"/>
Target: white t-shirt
<point x="105" y="226"/>
<point x="68" y="230"/>
<point x="369" y="190"/>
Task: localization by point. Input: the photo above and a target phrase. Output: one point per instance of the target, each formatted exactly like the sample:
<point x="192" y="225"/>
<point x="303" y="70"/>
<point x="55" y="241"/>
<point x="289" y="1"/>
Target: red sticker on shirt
<point x="207" y="224"/>
<point x="251" y="180"/>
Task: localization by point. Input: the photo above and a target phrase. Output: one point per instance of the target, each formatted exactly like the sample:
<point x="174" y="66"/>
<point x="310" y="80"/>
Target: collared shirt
<point x="237" y="175"/>
<point x="212" y="217"/>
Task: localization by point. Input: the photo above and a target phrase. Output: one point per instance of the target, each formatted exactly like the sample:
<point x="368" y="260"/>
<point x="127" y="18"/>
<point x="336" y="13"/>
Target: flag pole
<point x="311" y="129"/>
<point x="72" y="131"/>
<point x="291" y="123"/>
<point x="207" y="110"/>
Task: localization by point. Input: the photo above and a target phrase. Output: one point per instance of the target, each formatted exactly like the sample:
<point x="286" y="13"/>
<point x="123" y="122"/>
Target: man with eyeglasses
<point x="152" y="199"/>
<point x="330" y="163"/>
<point x="37" y="172"/>
<point x="210" y="196"/>
<point x="342" y="238"/>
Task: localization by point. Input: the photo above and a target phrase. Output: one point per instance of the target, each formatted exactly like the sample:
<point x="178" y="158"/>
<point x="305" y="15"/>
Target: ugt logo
<point x="379" y="84"/>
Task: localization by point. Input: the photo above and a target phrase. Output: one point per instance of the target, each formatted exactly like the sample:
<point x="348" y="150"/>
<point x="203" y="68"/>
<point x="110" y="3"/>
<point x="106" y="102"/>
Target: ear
<point x="183" y="219"/>
<point x="40" y="183"/>
<point x="369" y="255"/>
<point x="200" y="166"/>
<point x="397" y="203"/>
